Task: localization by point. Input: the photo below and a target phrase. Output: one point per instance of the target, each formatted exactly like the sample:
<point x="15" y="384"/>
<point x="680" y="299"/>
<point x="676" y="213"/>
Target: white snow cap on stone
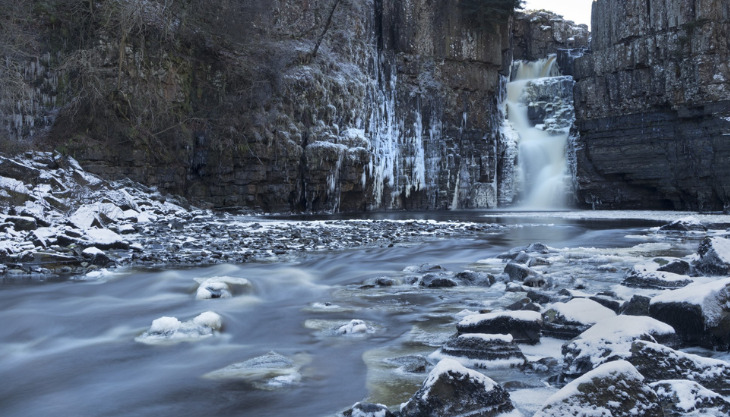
<point x="517" y="315"/>
<point x="446" y="366"/>
<point x="165" y="330"/>
<point x="712" y="297"/>
<point x="582" y="310"/>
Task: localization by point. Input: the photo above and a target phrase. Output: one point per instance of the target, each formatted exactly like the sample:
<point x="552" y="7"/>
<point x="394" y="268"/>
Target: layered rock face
<point x="279" y="105"/>
<point x="653" y="106"/>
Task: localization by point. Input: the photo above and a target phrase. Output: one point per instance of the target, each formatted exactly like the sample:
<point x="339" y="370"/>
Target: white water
<point x="542" y="165"/>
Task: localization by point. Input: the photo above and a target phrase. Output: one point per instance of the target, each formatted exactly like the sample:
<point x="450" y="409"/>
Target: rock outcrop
<point x="653" y="106"/>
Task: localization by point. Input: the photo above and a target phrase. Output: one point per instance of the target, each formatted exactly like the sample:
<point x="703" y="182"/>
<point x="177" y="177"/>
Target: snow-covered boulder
<point x="700" y="313"/>
<point x="647" y="275"/>
<point x="713" y="256"/>
<point x="105" y="239"/>
<point x="610" y="340"/>
<point x="568" y="320"/>
<point x="475" y="278"/>
<point x="524" y="326"/>
<point x="681" y="397"/>
<point x="685" y="224"/>
<point x="22" y="223"/>
<point x="437" y="281"/>
<point x="221" y="287"/>
<point x="368" y="410"/>
<point x="268" y="371"/>
<point x="452" y="390"/>
<point x="167" y="330"/>
<point x="482" y="351"/>
<point x="96" y="256"/>
<point x="613" y="389"/>
<point x="354" y="327"/>
<point x="658" y="362"/>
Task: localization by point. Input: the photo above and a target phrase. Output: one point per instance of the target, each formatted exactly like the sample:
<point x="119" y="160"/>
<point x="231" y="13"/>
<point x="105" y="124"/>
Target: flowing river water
<point x="68" y="348"/>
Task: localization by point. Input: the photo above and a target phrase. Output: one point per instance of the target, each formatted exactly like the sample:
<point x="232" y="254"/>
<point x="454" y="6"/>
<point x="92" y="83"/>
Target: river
<point x="68" y="347"/>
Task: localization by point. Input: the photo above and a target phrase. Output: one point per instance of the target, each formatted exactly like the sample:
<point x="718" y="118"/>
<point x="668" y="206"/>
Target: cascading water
<point x="540" y="110"/>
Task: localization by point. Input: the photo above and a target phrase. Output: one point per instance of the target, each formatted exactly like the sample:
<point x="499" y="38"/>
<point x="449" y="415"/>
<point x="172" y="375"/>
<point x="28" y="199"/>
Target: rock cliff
<point x="279" y="105"/>
<point x="653" y="106"/>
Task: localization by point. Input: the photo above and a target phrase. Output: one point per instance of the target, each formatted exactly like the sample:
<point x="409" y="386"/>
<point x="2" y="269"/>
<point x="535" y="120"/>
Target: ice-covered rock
<point x="676" y="266"/>
<point x="518" y="272"/>
<point x="368" y="410"/>
<point x="613" y="389"/>
<point x="167" y="330"/>
<point x="475" y="278"/>
<point x="700" y="313"/>
<point x="647" y="275"/>
<point x="524" y="326"/>
<point x="221" y="287"/>
<point x="437" y="281"/>
<point x="685" y="224"/>
<point x="354" y="327"/>
<point x="453" y="390"/>
<point x="22" y="223"/>
<point x="611" y="339"/>
<point x="106" y="239"/>
<point x="714" y="256"/>
<point x="638" y="305"/>
<point x="414" y="364"/>
<point x="96" y="256"/>
<point x="658" y="362"/>
<point x="681" y="397"/>
<point x="269" y="371"/>
<point x="482" y="351"/>
<point x="568" y="320"/>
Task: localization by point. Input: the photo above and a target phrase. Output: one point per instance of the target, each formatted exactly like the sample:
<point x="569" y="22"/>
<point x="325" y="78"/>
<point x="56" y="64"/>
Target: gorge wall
<point x="239" y="104"/>
<point x="653" y="106"/>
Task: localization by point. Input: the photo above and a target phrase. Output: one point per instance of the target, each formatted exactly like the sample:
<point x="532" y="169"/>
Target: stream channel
<point x="70" y="347"/>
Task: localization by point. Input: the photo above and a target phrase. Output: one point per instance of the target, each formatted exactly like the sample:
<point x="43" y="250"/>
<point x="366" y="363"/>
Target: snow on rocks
<point x="611" y="339"/>
<point x="700" y="313"/>
<point x="167" y="330"/>
<point x="648" y="275"/>
<point x="685" y="224"/>
<point x="568" y="320"/>
<point x="524" y="326"/>
<point x="266" y="372"/>
<point x="354" y="327"/>
<point x="452" y="390"/>
<point x="658" y="362"/>
<point x="682" y="397"/>
<point x="482" y="351"/>
<point x="613" y="389"/>
<point x="368" y="410"/>
<point x="221" y="287"/>
<point x="713" y="256"/>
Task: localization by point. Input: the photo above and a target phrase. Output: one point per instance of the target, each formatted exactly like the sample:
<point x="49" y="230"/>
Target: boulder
<point x="685" y="224"/>
<point x="105" y="239"/>
<point x="452" y="390"/>
<point x="568" y="320"/>
<point x="167" y="330"/>
<point x="517" y="272"/>
<point x="676" y="266"/>
<point x="608" y="301"/>
<point x="648" y="276"/>
<point x="524" y="326"/>
<point x="475" y="278"/>
<point x="368" y="410"/>
<point x="221" y="287"/>
<point x="610" y="340"/>
<point x="714" y="256"/>
<point x="638" y="305"/>
<point x="23" y="223"/>
<point x="96" y="256"/>
<point x="437" y="281"/>
<point x="414" y="364"/>
<point x="613" y="389"/>
<point x="482" y="351"/>
<point x="700" y="313"/>
<point x="682" y="397"/>
<point x="658" y="362"/>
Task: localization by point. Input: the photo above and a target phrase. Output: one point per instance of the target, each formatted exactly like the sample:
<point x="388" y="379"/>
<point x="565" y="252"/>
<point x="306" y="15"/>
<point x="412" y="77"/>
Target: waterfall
<point x="540" y="111"/>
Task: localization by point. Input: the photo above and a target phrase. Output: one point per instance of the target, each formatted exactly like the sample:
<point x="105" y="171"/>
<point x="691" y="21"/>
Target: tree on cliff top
<point x="490" y="11"/>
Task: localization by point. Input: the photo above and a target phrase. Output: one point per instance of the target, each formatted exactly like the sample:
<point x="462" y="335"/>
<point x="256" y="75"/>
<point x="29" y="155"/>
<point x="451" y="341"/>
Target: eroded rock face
<point x="652" y="106"/>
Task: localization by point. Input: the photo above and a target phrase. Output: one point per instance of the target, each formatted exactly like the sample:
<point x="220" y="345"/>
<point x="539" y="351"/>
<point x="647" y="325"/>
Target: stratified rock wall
<point x="227" y="102"/>
<point x="653" y="106"/>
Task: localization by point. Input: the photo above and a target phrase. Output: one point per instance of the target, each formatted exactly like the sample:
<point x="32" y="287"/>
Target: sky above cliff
<point x="578" y="11"/>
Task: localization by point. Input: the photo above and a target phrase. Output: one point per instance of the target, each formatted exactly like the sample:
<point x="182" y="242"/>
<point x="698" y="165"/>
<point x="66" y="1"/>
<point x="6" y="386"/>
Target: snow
<point x="92" y="251"/>
<point x="607" y="370"/>
<point x="165" y="330"/>
<point x="516" y="315"/>
<point x="582" y="310"/>
<point x="452" y="367"/>
<point x="84" y="217"/>
<point x="711" y="297"/>
<point x="353" y="327"/>
<point x="685" y="393"/>
<point x="219" y="287"/>
<point x="103" y="237"/>
<point x="506" y="338"/>
<point x="722" y="248"/>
